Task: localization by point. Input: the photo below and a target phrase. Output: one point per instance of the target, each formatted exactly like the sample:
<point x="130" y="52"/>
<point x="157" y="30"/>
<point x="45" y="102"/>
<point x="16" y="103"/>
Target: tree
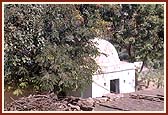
<point x="23" y="41"/>
<point x="47" y="46"/>
<point x="137" y="30"/>
<point x="141" y="32"/>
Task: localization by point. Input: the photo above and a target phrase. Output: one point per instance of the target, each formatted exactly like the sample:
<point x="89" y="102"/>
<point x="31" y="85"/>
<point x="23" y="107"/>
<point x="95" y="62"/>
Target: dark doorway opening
<point x="114" y="86"/>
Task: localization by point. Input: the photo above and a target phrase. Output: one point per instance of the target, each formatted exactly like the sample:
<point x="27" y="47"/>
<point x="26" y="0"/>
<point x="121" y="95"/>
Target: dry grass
<point x="151" y="79"/>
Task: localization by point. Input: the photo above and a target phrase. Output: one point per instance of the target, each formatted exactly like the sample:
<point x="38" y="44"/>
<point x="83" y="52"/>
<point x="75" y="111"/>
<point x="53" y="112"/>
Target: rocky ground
<point x="146" y="100"/>
<point x="50" y="102"/>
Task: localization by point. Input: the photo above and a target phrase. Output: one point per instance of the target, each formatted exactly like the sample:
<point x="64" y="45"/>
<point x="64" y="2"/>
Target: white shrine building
<point x="115" y="76"/>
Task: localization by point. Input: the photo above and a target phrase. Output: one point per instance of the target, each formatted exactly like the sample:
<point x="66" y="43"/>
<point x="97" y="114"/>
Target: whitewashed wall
<point x="101" y="84"/>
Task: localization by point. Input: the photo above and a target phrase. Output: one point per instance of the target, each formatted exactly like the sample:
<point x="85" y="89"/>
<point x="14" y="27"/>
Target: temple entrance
<point x="114" y="86"/>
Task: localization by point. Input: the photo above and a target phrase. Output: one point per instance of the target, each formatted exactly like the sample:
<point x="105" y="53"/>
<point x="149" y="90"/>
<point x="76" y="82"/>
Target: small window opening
<point x="104" y="84"/>
<point x="124" y="81"/>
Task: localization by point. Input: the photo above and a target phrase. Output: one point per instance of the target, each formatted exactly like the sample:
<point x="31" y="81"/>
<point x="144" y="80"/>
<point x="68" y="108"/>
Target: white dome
<point x="111" y="56"/>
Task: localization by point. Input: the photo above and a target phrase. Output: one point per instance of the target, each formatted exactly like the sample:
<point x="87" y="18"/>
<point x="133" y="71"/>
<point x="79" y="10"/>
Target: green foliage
<point x="17" y="92"/>
<point x="137" y="30"/>
<point x="48" y="45"/>
<point x="22" y="42"/>
<point x="60" y="66"/>
<point x="140" y="32"/>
